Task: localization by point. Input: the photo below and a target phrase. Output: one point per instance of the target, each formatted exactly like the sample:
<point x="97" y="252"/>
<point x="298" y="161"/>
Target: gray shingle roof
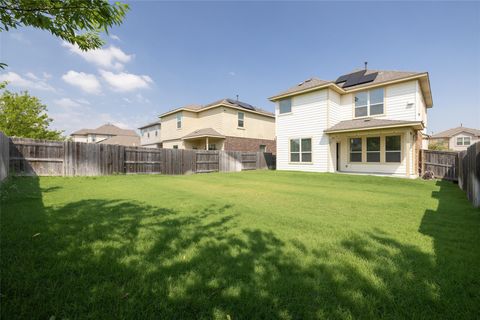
<point x="205" y="132"/>
<point x="454" y="131"/>
<point x="367" y="123"/>
<point x="128" y="141"/>
<point x="150" y="124"/>
<point x="383" y="76"/>
<point x="106" y="129"/>
<point x="225" y="102"/>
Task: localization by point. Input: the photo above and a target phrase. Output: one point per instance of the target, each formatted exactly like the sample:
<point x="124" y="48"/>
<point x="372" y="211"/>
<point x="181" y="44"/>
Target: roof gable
<point x="455" y="131"/>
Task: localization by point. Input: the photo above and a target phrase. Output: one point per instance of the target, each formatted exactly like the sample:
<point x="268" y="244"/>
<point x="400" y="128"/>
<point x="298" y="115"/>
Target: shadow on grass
<point x="121" y="259"/>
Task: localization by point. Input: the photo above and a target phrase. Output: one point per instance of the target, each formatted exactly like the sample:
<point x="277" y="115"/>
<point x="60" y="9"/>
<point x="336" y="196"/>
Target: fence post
<point x="423" y="163"/>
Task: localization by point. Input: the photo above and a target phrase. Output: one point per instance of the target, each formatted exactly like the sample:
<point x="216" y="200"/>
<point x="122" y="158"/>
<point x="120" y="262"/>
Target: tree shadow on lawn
<point x="117" y="259"/>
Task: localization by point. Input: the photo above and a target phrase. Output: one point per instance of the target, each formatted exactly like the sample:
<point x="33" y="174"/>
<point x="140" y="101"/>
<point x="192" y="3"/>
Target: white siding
<point x="308" y="119"/>
<point x="334" y="108"/>
<point x="400" y="100"/>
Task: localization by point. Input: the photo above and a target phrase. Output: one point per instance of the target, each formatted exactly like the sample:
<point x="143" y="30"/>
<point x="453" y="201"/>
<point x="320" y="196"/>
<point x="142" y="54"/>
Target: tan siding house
<point x="367" y="121"/>
<point x="223" y="125"/>
<point x="107" y="134"/>
<point x="457" y="139"/>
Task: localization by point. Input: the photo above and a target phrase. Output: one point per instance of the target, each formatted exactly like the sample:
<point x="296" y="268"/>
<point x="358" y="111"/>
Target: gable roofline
<point x="426" y="90"/>
<point x="216" y="104"/>
<point x="449" y="133"/>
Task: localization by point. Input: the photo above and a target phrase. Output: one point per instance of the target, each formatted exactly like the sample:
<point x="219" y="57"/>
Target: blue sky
<point x="169" y="54"/>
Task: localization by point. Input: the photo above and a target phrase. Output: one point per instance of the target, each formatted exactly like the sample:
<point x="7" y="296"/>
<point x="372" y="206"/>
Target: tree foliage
<point x="75" y="21"/>
<point x="22" y="115"/>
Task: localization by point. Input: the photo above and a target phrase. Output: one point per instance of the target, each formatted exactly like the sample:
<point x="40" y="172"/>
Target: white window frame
<point x="242" y="120"/>
<point x="368" y="105"/>
<point x="300" y="152"/>
<point x="387" y="151"/>
<point x="463" y="141"/>
<point x="280" y="106"/>
<point x="179" y="120"/>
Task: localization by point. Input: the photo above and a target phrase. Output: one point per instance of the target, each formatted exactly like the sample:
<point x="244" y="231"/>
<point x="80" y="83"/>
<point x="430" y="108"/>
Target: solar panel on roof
<point x="241" y="104"/>
<point x="356" y="78"/>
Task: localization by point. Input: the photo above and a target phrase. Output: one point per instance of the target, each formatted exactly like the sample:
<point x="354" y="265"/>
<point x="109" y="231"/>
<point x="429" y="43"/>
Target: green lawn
<point x="245" y="245"/>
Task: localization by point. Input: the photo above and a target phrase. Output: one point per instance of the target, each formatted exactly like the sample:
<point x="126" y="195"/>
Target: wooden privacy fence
<point x="443" y="164"/>
<point x="4" y="156"/>
<point x="58" y="158"/>
<point x="469" y="173"/>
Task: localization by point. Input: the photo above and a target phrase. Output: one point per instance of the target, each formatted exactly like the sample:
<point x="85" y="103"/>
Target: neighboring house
<point x="150" y="135"/>
<point x="222" y="125"/>
<point x="107" y="134"/>
<point x="457" y="139"/>
<point x="366" y="121"/>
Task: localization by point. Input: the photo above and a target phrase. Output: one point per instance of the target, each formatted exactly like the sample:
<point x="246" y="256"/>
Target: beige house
<point x="222" y="125"/>
<point x="457" y="139"/>
<point x="107" y="134"/>
<point x="366" y="121"/>
<point x="150" y="135"/>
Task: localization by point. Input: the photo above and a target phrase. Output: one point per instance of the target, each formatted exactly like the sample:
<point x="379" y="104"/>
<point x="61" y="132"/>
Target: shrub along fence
<point x="469" y="173"/>
<point x="59" y="158"/>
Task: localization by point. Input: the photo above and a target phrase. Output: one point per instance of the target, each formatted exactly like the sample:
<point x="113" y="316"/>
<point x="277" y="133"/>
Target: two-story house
<point x="457" y="139"/>
<point x="226" y="124"/>
<point x="366" y="121"/>
<point x="107" y="134"/>
<point x="150" y="135"/>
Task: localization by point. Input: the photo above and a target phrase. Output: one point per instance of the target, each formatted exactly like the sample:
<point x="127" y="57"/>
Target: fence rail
<point x="57" y="158"/>
<point x="443" y="164"/>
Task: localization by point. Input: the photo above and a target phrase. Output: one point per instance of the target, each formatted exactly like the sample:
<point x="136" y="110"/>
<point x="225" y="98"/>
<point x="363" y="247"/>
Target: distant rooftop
<point x="225" y="102"/>
<point x="454" y="131"/>
<point x="106" y="129"/>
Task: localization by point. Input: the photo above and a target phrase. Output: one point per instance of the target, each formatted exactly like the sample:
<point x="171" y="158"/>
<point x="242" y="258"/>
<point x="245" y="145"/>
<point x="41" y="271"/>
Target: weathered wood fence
<point x="58" y="158"/>
<point x="443" y="164"/>
<point x="4" y="156"/>
<point x="469" y="173"/>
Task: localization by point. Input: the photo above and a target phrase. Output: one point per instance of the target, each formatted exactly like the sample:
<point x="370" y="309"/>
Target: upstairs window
<point x="285" y="106"/>
<point x="94" y="138"/>
<point x="393" y="149"/>
<point x="179" y="120"/>
<point x="463" y="141"/>
<point x="148" y="134"/>
<point x="301" y="150"/>
<point x="369" y="103"/>
<point x="156" y="133"/>
<point x="241" y="120"/>
<point x="356" y="150"/>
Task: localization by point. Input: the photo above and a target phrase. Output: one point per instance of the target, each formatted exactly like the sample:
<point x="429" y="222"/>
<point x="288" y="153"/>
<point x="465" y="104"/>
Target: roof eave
<point x="203" y="136"/>
<point x="418" y="125"/>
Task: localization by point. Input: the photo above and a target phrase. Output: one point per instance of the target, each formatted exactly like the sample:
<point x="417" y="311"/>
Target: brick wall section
<point x="418" y="153"/>
<point x="249" y="144"/>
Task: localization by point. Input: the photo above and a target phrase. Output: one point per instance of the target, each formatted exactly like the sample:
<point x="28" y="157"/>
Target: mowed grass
<point x="265" y="244"/>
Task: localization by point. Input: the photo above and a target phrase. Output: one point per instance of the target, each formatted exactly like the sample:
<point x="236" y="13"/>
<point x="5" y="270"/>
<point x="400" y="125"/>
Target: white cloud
<point x="139" y="98"/>
<point x="232" y="73"/>
<point x="126" y="81"/>
<point x="19" y="37"/>
<point x="85" y="81"/>
<point x="115" y="37"/>
<point x="30" y="81"/>
<point x="70" y="104"/>
<point x="108" y="58"/>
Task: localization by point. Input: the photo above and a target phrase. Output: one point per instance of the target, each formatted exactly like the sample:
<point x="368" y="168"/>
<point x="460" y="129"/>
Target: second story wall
<point x="169" y="125"/>
<point x="255" y="126"/>
<point x="222" y="119"/>
<point x="150" y="135"/>
<point x="402" y="101"/>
